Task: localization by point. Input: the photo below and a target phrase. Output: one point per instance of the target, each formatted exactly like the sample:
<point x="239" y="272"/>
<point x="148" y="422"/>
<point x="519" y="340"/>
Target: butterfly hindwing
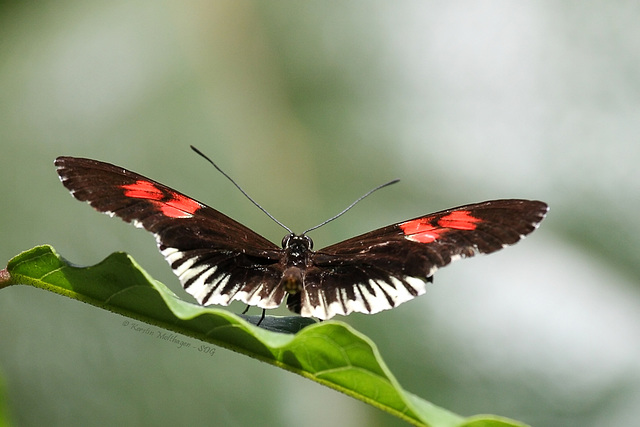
<point x="386" y="267"/>
<point x="217" y="259"/>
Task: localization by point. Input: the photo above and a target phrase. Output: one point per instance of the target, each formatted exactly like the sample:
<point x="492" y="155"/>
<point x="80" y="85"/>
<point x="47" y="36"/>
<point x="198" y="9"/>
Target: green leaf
<point x="330" y="353"/>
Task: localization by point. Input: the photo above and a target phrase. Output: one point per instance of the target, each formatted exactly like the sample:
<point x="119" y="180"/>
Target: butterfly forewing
<point x="217" y="259"/>
<point x="383" y="268"/>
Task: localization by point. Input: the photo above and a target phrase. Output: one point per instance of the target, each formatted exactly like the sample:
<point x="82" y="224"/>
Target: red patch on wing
<point x="423" y="230"/>
<point x="180" y="206"/>
<point x="143" y="190"/>
<point x="460" y="220"/>
<point x="420" y="230"/>
<point x="177" y="206"/>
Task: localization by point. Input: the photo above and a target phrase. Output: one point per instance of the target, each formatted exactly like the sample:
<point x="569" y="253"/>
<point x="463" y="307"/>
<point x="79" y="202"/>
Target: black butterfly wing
<point x="383" y="268"/>
<point x="217" y="259"/>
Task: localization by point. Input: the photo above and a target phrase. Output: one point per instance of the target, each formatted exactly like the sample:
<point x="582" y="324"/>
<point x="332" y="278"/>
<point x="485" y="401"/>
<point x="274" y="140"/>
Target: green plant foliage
<point x="330" y="353"/>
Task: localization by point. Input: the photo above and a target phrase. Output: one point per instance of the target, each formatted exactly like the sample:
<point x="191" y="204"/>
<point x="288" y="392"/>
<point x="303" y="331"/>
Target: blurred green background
<point x="308" y="105"/>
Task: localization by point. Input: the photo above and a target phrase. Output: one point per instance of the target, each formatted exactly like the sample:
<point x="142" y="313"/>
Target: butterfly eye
<point x="309" y="241"/>
<point x="286" y="239"/>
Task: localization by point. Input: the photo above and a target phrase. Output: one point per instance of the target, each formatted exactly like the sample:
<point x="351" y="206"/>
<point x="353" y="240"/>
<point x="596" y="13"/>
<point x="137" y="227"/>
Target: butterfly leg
<point x="246" y="309"/>
<point x="264" y="311"/>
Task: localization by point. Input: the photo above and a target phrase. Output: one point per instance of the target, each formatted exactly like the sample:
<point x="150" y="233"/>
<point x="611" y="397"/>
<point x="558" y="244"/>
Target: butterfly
<point x="218" y="260"/>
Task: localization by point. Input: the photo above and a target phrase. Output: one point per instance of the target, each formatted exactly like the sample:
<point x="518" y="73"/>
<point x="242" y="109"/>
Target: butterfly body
<point x="219" y="260"/>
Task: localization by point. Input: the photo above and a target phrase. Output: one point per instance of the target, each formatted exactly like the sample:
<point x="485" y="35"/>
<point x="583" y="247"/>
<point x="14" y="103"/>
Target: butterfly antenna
<point x="352" y="205"/>
<point x="240" y="188"/>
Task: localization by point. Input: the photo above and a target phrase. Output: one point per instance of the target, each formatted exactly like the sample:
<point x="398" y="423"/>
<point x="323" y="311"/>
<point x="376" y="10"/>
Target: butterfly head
<point x="297" y="244"/>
